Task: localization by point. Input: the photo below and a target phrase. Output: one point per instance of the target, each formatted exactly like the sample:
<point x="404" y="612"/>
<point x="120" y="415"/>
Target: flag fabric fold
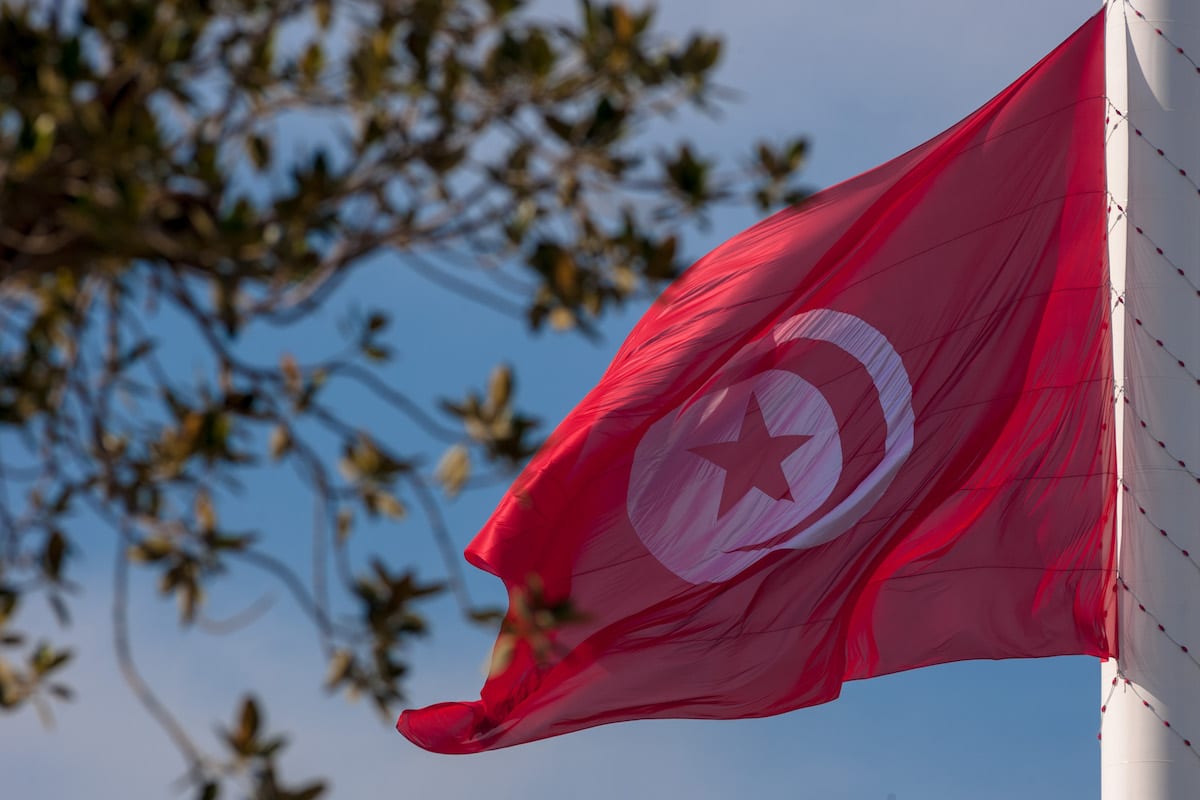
<point x="869" y="434"/>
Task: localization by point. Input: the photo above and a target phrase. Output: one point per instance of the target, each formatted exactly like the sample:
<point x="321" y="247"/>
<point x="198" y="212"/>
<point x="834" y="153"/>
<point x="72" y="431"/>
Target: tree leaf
<point x="248" y="721"/>
<point x="281" y="442"/>
<point x="454" y="469"/>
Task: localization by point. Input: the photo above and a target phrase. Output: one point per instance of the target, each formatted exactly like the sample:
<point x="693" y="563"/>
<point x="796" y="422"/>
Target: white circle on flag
<point x="679" y="502"/>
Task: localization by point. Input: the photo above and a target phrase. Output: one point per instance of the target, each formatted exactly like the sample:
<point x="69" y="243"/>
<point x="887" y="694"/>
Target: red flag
<point x="867" y="435"/>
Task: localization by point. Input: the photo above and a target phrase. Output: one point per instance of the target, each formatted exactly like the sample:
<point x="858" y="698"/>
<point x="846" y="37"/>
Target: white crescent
<point x="674" y="494"/>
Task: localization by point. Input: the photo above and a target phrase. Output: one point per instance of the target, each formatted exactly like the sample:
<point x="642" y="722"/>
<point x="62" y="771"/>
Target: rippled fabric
<point x="869" y="434"/>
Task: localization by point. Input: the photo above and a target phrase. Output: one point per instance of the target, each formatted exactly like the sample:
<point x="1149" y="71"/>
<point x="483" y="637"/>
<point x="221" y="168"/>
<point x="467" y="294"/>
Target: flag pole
<point x="1150" y="747"/>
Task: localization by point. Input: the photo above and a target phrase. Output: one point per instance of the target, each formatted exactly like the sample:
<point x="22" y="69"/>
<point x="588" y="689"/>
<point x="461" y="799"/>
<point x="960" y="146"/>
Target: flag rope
<point x="1110" y="127"/>
<point x="1183" y="648"/>
<point x="1159" y="342"/>
<point x="1132" y="687"/>
<point x="1137" y="132"/>
<point x="1163" y="533"/>
<point x="1179" y="50"/>
<point x="1158" y="250"/>
<point x="1108" y="699"/>
<point x="1161" y="444"/>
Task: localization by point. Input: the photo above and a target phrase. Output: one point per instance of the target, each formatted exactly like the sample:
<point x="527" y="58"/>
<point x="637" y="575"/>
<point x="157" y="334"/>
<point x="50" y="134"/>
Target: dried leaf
<point x="339" y="668"/>
<point x="500" y="387"/>
<point x="281" y="442"/>
<point x="389" y="505"/>
<point x="248" y="721"/>
<point x="454" y="469"/>
<point x="344" y="525"/>
<point x="206" y="514"/>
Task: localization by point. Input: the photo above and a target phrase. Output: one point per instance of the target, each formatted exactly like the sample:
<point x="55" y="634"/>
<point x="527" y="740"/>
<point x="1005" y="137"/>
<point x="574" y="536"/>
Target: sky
<point x="865" y="81"/>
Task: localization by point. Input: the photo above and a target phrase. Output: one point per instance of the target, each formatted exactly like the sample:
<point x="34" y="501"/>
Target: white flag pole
<point x="1150" y="746"/>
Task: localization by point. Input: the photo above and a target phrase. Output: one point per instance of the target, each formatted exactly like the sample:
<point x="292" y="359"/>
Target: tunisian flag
<point x="869" y="434"/>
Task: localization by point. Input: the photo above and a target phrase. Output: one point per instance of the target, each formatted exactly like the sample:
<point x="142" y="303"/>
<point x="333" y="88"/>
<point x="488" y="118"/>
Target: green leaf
<point x="248" y="721"/>
<point x="501" y="8"/>
<point x="344" y="525"/>
<point x="59" y="607"/>
<point x="260" y="151"/>
<point x="376" y="353"/>
<point x="53" y="555"/>
<point x="487" y="616"/>
<point x="377" y="321"/>
<point x="61" y="692"/>
<point x="312" y="62"/>
<point x="9" y="600"/>
<point x="309" y="792"/>
<point x="45" y="659"/>
<point x="324" y="12"/>
<point x="151" y="550"/>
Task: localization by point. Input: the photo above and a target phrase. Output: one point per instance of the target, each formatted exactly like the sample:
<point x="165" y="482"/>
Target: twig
<point x="129" y="671"/>
<point x="441" y="534"/>
<point x="238" y="621"/>
<point x="494" y="302"/>
<point x="398" y="401"/>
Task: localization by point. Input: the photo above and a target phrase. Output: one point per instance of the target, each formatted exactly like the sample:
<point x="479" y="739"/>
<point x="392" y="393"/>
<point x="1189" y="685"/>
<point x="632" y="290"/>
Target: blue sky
<point x="866" y="81"/>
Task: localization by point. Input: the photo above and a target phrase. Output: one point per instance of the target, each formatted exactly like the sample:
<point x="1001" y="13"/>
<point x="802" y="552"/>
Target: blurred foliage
<point x="146" y="174"/>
